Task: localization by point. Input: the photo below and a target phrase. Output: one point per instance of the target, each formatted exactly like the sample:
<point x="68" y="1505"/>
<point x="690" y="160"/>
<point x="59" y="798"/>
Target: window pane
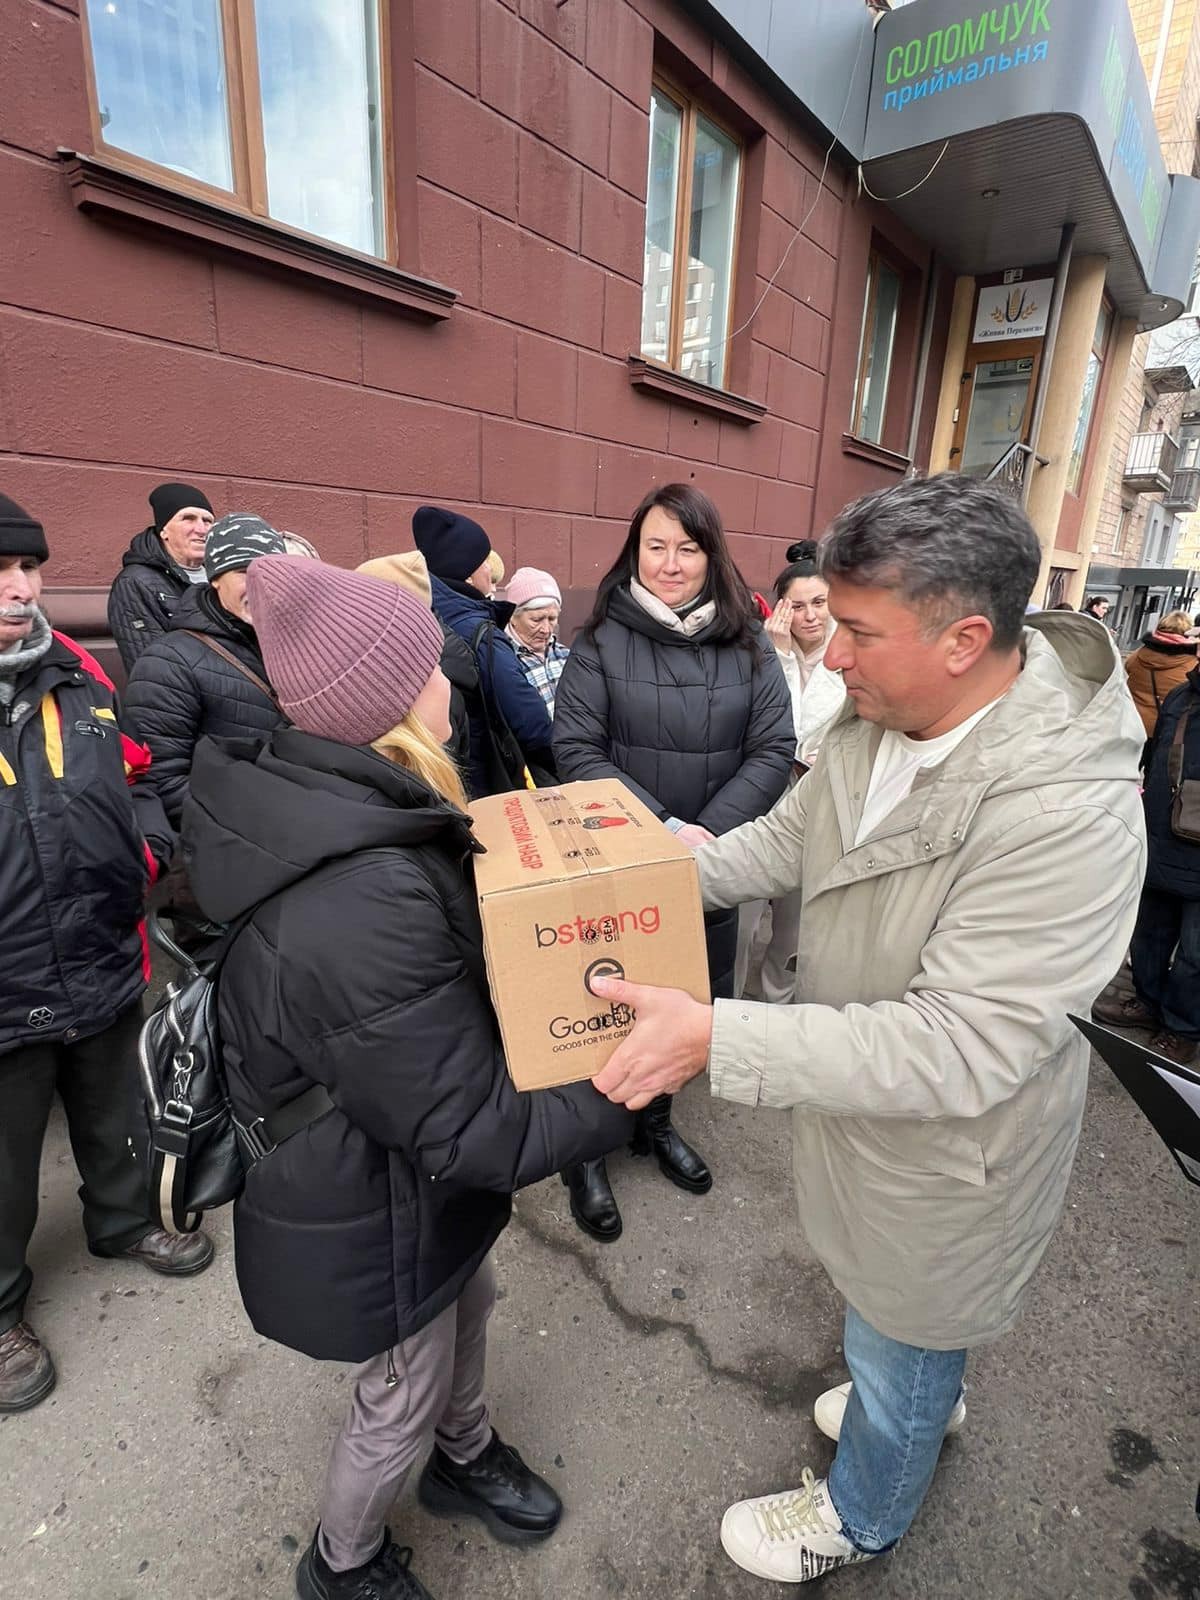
<point x="1101" y="335"/>
<point x="1084" y="421"/>
<point x="710" y="248"/>
<point x="879" y="336"/>
<point x="996" y="418"/>
<point x="160" y="84"/>
<point x="662" y="189"/>
<point x="318" y="65"/>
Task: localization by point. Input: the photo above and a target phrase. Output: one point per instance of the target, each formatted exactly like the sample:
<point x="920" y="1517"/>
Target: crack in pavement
<point x="775" y="1383"/>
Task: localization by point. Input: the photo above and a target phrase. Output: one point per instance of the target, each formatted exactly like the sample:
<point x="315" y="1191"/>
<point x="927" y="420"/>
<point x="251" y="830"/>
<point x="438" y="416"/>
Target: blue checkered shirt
<point x="543" y="672"/>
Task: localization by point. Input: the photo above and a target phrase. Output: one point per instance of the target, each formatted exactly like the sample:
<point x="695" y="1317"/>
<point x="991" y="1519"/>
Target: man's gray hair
<point x="948" y="546"/>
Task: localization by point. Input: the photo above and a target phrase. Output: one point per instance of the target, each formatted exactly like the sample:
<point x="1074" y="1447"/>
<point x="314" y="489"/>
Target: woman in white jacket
<point x="800" y="628"/>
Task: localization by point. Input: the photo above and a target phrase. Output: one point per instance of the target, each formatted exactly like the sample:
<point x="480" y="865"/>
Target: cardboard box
<point x="579" y="882"/>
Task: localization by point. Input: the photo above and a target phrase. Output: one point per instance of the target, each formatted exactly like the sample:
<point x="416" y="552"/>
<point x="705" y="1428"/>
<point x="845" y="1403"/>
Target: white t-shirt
<point x="897" y="762"/>
<point x="195" y="574"/>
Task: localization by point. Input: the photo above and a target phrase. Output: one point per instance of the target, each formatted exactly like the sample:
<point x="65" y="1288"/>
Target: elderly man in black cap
<point x="77" y="851"/>
<point x="157" y="569"/>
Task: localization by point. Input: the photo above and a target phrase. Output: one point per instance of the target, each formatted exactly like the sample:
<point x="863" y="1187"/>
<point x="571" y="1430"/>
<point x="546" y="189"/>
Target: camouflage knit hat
<point x="238" y="539"/>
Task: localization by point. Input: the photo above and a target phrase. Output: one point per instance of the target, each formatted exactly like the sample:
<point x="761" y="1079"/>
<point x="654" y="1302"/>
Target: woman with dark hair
<point x="673" y="688"/>
<point x="800" y="628"/>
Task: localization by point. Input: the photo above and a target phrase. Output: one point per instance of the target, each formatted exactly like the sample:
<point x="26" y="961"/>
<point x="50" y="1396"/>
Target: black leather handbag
<point x="1185" y="792"/>
<point x="194" y="1151"/>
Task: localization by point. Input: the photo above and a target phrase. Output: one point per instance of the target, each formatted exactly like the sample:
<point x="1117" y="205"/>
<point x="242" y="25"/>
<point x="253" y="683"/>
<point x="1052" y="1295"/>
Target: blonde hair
<point x="411" y="745"/>
<point x="495" y="567"/>
<point x="1175" y="622"/>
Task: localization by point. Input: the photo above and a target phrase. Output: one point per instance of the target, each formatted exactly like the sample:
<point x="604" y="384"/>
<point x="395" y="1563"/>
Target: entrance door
<point x="995" y="405"/>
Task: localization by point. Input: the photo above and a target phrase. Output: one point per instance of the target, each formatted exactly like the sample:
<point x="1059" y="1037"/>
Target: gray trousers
<point x="768" y="934"/>
<point x="439" y="1372"/>
<point x="777" y="978"/>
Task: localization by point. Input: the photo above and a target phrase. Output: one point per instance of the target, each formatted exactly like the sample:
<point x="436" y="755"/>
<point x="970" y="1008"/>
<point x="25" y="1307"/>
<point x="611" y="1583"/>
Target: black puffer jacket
<point x="698" y="728"/>
<point x="364" y="971"/>
<point x="144" y="595"/>
<point x="1174" y="866"/>
<point x="73" y="865"/>
<point x="459" y="666"/>
<point x="181" y="690"/>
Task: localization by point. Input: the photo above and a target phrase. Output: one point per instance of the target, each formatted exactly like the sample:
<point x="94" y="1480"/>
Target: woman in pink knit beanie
<point x="536" y="602"/>
<point x="358" y="981"/>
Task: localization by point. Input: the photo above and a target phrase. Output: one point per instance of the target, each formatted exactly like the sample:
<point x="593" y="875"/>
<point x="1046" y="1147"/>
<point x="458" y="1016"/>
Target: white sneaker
<point x="789" y="1537"/>
<point x="830" y="1408"/>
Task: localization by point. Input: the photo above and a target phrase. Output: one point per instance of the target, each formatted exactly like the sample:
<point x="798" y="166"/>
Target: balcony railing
<point x="1150" y="465"/>
<point x="1184" y="493"/>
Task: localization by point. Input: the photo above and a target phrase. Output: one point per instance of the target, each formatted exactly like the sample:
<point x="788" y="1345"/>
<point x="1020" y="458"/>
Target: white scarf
<point x="687" y="625"/>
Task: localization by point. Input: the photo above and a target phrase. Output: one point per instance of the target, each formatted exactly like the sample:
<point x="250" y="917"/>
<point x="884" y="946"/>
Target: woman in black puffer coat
<point x="674" y="689"/>
<point x="365" y="1235"/>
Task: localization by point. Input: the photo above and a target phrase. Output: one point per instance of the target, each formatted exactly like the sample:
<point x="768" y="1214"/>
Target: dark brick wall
<point x="125" y="359"/>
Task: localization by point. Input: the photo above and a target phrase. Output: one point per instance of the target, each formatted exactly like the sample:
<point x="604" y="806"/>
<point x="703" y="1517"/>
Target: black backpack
<point x="189" y="1143"/>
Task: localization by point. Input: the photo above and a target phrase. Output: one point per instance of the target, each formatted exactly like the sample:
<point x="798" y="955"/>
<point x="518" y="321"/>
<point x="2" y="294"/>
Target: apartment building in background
<point x="1138" y="561"/>
<point x="530" y="258"/>
<point x="1187" y="552"/>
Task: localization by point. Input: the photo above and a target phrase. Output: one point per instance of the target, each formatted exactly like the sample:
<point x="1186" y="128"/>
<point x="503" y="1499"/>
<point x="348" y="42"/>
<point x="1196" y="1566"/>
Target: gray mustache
<point x="18" y="611"/>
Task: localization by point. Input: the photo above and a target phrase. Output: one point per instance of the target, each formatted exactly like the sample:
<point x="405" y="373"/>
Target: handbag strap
<point x="239" y="666"/>
<point x="1175" y="753"/>
<point x="266" y="1133"/>
<point x="220" y="946"/>
<point x="1154" y="688"/>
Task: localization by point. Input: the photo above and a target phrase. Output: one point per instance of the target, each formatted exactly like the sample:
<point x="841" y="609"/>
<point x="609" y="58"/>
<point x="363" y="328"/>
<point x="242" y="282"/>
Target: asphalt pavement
<point x="654" y="1380"/>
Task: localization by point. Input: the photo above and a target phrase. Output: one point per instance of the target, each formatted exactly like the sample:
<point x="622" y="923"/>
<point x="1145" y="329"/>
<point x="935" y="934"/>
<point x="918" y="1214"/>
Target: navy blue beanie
<point x="453" y="546"/>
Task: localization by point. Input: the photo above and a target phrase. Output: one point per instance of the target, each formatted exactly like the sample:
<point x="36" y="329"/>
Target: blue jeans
<point x="1166" y="960"/>
<point x="892" y="1432"/>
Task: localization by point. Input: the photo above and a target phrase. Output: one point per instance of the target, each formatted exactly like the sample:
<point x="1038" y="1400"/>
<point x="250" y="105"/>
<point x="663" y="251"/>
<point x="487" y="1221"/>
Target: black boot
<point x="593" y="1204"/>
<point x="676" y="1158"/>
<point x="385" y="1577"/>
<point x="517" y="1506"/>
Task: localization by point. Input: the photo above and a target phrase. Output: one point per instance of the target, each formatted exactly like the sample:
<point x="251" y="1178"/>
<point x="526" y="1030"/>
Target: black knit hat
<point x="453" y="546"/>
<point x="20" y="535"/>
<point x="170" y="498"/>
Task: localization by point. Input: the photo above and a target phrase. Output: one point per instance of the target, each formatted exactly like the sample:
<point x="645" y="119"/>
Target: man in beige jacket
<point x="969" y="849"/>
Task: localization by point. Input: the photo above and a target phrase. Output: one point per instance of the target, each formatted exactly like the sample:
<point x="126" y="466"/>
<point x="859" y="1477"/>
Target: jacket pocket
<point x="924" y="1147"/>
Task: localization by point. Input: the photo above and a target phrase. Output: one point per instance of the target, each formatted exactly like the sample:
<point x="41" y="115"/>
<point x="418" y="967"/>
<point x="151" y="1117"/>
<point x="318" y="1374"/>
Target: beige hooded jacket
<point x="937" y="1087"/>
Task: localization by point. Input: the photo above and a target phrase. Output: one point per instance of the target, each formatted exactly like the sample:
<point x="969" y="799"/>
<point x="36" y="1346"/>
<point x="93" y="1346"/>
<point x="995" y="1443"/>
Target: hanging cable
<point x="730" y="337"/>
<point x="865" y="188"/>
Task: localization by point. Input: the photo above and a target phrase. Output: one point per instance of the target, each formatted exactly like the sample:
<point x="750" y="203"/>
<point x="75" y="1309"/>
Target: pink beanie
<point x="346" y="654"/>
<point x="528" y="584"/>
